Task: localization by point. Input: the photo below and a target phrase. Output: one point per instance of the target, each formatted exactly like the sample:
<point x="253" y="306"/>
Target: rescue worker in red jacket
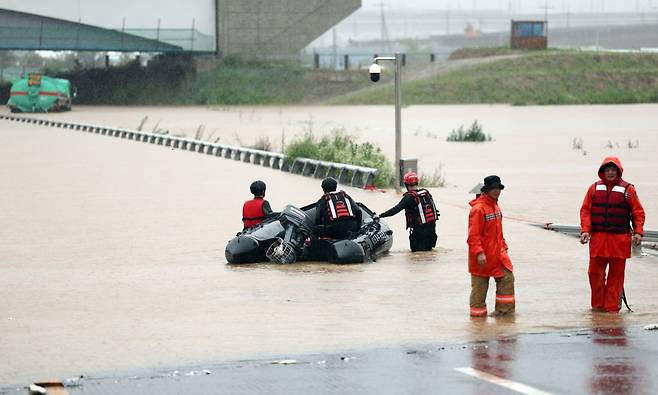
<point x="420" y="212"/>
<point x="611" y="218"/>
<point x="336" y="214"/>
<point x="255" y="211"/>
<point x="487" y="252"/>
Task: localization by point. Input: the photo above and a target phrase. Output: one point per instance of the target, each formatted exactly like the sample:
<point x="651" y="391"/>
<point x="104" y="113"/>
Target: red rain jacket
<point x="485" y="234"/>
<point x="608" y="244"/>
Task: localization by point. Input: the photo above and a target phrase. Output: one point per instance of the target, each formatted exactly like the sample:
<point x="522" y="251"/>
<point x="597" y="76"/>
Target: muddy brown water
<point x="111" y="251"/>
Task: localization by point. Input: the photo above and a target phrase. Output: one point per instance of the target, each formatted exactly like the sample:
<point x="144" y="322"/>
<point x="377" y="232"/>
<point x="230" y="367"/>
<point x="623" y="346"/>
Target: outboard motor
<point x="293" y="243"/>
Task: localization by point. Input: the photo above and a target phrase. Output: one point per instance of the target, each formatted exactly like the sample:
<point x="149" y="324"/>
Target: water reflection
<point x="614" y="371"/>
<point x="496" y="358"/>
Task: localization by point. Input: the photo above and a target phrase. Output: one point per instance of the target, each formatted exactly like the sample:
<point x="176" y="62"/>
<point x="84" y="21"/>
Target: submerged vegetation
<point x="340" y="147"/>
<point x="436" y="179"/>
<point x="473" y="133"/>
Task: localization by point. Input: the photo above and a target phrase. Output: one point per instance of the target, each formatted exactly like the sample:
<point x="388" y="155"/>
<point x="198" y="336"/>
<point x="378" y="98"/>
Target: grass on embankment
<point x="173" y="80"/>
<point x="553" y="77"/>
<point x="484" y="52"/>
<point x="537" y="77"/>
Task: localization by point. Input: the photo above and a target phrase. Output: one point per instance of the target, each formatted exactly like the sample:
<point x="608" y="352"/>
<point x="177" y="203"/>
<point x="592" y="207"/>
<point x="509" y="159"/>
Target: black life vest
<point x="338" y="206"/>
<point x="423" y="211"/>
<point x="252" y="212"/>
<point x="610" y="210"/>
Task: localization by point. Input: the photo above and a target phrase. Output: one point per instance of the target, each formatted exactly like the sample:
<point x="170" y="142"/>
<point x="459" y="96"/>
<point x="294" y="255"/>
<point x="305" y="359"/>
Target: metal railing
<point x="650" y="235"/>
<point x="649" y="239"/>
<point x="346" y="174"/>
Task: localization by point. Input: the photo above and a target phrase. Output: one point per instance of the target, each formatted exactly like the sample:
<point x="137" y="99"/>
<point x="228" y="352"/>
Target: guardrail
<point x="650" y="235"/>
<point x="346" y="174"/>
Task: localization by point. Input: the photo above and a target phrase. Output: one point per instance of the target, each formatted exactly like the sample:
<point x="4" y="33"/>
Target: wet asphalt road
<point x="600" y="361"/>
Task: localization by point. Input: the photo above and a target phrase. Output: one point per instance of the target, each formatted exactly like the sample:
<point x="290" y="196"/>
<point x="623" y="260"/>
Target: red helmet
<point x="410" y="178"/>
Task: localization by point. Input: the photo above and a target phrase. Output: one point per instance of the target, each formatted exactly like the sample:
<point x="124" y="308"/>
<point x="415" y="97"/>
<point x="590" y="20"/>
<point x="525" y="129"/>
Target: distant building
<point x="470" y="30"/>
<point x="529" y="35"/>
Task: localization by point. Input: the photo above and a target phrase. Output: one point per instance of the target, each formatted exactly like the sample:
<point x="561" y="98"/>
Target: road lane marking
<point x="512" y="385"/>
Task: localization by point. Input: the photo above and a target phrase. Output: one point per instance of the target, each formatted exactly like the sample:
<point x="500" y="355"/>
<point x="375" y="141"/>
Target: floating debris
<point x="198" y="372"/>
<point x="284" y="362"/>
<point x="36" y="390"/>
<point x="47" y="387"/>
<point x="651" y="327"/>
<point x="73" y="381"/>
<point x="322" y="362"/>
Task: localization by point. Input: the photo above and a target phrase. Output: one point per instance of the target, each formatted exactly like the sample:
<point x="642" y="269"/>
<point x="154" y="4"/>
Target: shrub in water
<point x="340" y="147"/>
<point x="474" y="133"/>
<point x="437" y="179"/>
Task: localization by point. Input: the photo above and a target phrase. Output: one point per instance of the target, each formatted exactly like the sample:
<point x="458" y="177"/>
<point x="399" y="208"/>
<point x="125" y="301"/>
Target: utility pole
<point x="397" y="59"/>
<point x="218" y="29"/>
<point x="384" y="29"/>
<point x="333" y="48"/>
<point x="546" y="7"/>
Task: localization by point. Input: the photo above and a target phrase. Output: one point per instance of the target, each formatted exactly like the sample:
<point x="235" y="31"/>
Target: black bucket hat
<point x="491" y="182"/>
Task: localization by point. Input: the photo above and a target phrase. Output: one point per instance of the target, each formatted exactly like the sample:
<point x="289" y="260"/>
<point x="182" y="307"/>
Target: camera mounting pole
<point x="397" y="59"/>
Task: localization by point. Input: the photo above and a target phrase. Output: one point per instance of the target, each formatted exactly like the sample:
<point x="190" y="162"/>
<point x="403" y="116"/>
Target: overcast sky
<point x="137" y="13"/>
<point x="179" y="13"/>
<point x="519" y="5"/>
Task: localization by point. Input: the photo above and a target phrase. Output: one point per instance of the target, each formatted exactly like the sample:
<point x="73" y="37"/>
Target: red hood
<point x="485" y="198"/>
<point x="610" y="159"/>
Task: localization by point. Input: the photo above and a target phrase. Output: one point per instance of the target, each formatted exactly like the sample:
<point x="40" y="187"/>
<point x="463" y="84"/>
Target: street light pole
<point x="397" y="59"/>
<point x="398" y="120"/>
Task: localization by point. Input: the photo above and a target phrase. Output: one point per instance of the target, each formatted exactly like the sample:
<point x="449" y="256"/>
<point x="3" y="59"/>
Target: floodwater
<point x="112" y="251"/>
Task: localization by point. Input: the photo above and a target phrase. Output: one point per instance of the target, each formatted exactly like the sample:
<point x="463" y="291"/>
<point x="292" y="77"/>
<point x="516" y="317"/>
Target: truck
<point x="40" y="93"/>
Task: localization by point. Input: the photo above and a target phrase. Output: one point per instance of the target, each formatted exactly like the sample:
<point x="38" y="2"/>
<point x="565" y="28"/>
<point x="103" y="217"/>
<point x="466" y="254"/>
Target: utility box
<point x="529" y="35"/>
<point x="407" y="165"/>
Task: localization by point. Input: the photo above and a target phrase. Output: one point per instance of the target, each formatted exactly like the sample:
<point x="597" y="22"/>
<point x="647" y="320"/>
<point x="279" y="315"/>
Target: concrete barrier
<point x="356" y="176"/>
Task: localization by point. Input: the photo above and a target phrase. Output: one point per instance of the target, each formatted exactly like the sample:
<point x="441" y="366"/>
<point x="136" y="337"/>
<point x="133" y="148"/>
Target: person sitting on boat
<point x="336" y="214"/>
<point x="255" y="211"/>
<point x="421" y="214"/>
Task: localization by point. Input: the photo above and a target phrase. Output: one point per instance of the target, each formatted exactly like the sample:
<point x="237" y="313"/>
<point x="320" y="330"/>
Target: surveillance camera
<point x="375" y="72"/>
